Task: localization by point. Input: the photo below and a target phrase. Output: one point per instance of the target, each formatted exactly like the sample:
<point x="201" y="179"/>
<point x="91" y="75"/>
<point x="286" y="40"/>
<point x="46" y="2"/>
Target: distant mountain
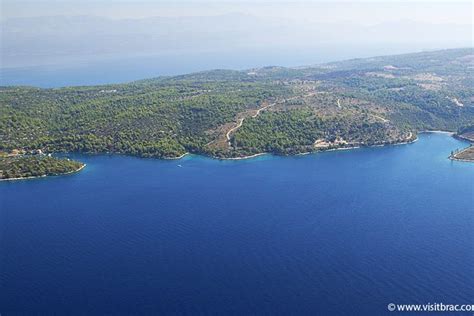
<point x="39" y="40"/>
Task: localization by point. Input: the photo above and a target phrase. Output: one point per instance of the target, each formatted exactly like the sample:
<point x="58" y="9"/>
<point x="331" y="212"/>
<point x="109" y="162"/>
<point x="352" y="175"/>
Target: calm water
<point x="115" y="69"/>
<point x="332" y="233"/>
<point x="119" y="70"/>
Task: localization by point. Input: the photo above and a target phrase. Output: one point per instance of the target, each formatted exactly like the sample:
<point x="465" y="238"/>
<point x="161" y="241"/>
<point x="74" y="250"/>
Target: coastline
<point x="405" y="142"/>
<point x="268" y="153"/>
<point x="333" y="149"/>
<point x="461" y="160"/>
<point x="243" y="157"/>
<point x="460" y="137"/>
<point x="176" y="158"/>
<point x="464" y="139"/>
<point x="453" y="157"/>
<point x="438" y="131"/>
<point x="44" y="175"/>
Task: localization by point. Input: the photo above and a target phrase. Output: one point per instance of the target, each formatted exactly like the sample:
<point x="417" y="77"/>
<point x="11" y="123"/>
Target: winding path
<point x="241" y="121"/>
<point x="239" y="124"/>
<point x="384" y="120"/>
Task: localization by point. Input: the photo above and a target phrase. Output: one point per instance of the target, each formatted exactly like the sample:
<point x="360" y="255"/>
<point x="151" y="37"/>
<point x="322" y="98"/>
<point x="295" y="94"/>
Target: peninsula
<point x="14" y="166"/>
<point x="236" y="114"/>
<point x="466" y="154"/>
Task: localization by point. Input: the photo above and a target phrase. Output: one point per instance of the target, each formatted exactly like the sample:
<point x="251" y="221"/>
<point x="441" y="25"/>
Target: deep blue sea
<point x="335" y="233"/>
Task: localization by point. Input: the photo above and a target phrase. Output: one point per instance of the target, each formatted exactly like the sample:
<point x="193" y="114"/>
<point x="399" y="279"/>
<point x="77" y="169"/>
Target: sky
<point x="366" y="12"/>
<point x="61" y="32"/>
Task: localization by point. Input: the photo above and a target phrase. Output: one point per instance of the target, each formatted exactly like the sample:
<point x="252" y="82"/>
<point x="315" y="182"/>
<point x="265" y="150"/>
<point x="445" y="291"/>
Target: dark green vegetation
<point x="35" y="166"/>
<point x="360" y="102"/>
<point x="156" y="118"/>
<point x="297" y="131"/>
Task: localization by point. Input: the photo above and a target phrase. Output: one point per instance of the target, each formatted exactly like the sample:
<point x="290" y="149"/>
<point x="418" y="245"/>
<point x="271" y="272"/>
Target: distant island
<point x="238" y="114"/>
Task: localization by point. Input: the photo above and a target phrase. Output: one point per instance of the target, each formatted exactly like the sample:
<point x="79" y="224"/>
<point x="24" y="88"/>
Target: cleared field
<point x="466" y="154"/>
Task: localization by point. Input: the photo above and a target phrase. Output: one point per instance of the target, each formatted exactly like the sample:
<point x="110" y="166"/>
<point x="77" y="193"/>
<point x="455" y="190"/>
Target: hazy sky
<point x="366" y="12"/>
<point x="43" y="32"/>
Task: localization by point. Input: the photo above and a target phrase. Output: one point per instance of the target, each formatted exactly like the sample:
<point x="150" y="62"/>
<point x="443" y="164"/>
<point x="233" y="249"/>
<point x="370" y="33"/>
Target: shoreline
<point x="243" y="157"/>
<point x="461" y="160"/>
<point x="328" y="150"/>
<point x="176" y="158"/>
<point x="411" y="141"/>
<point x="463" y="139"/>
<point x="460" y="137"/>
<point x="407" y="142"/>
<point x="453" y="157"/>
<point x="45" y="175"/>
<point x="438" y="132"/>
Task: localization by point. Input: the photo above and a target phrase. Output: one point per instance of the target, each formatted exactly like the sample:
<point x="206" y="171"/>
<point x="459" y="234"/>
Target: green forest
<point x="359" y="102"/>
<point x="36" y="166"/>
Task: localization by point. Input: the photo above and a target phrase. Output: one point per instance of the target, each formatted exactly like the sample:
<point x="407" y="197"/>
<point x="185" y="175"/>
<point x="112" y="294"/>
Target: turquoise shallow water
<point x="334" y="233"/>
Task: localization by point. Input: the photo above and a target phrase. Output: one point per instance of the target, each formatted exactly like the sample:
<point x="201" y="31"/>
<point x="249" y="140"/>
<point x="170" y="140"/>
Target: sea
<point x="80" y="70"/>
<point x="334" y="233"/>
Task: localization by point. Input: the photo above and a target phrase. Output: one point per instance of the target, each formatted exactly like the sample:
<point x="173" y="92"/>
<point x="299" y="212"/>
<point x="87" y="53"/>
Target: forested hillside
<point x="226" y="113"/>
